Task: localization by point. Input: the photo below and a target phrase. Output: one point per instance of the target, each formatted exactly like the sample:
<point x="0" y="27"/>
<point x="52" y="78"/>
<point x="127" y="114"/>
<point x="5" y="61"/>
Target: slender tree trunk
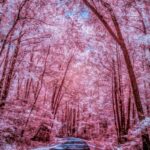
<point x="129" y="111"/>
<point x="5" y="90"/>
<point x="4" y="70"/>
<point x="113" y="103"/>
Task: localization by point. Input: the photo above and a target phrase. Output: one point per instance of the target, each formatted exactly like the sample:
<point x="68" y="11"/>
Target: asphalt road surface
<point x="71" y="143"/>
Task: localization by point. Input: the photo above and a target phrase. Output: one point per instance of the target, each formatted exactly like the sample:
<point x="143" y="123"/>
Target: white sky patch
<point x="58" y="32"/>
<point x="10" y="147"/>
<point x="145" y="39"/>
<point x="84" y="55"/>
<point x="87" y="30"/>
<point x="141" y="126"/>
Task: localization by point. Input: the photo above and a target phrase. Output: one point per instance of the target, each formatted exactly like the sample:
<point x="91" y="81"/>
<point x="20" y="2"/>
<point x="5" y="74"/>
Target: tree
<point x="118" y="37"/>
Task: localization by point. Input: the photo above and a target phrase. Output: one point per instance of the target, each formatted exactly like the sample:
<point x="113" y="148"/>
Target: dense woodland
<point x="75" y="68"/>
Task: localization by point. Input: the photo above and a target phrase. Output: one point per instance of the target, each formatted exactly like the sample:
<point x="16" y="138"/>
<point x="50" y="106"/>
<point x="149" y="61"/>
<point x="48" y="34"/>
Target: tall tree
<point x="117" y="35"/>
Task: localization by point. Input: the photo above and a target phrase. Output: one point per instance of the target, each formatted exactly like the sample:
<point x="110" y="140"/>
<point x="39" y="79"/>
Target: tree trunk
<point x="9" y="76"/>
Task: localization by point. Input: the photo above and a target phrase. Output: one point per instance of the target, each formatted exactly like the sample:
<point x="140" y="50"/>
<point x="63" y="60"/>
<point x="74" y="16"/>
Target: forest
<point x="75" y="68"/>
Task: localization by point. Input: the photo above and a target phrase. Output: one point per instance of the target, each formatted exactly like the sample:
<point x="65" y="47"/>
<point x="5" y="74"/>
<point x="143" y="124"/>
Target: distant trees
<point x="36" y="89"/>
<point x="70" y="121"/>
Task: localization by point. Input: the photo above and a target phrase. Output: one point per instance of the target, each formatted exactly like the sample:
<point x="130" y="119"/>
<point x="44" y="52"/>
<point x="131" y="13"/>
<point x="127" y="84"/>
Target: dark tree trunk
<point x="9" y="76"/>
